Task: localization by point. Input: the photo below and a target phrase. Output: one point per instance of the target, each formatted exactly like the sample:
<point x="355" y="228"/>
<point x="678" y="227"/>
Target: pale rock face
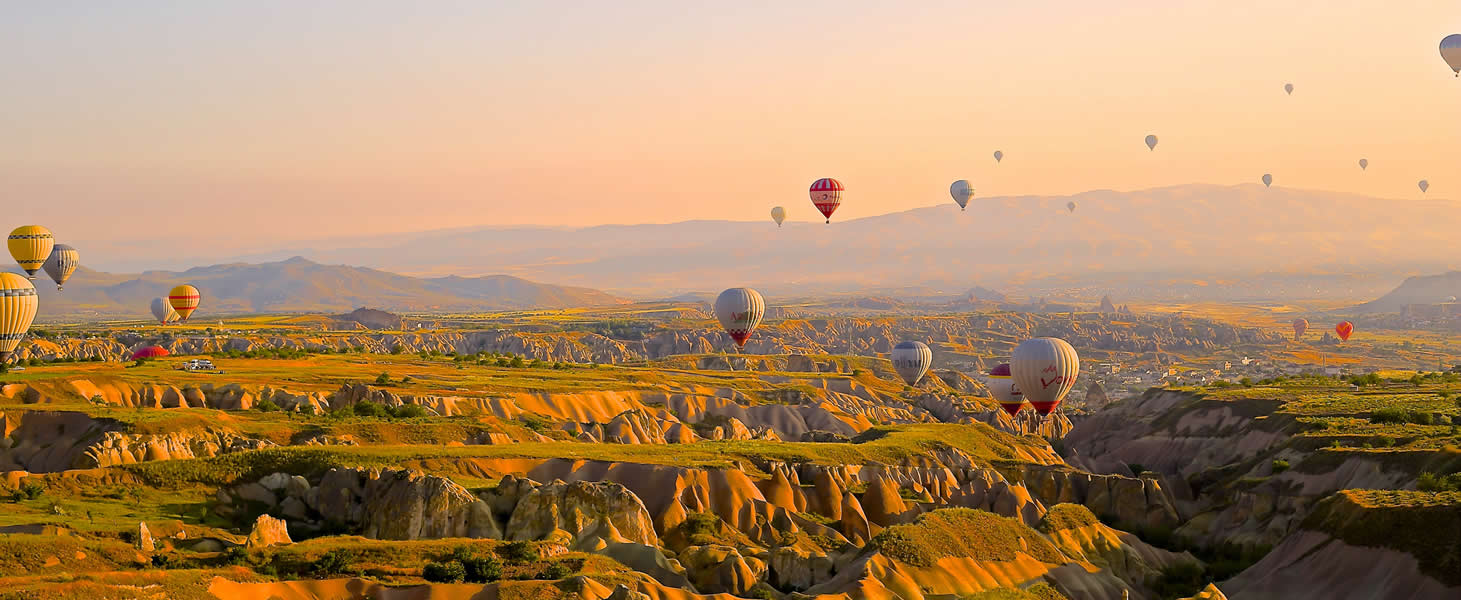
<point x="144" y="538"/>
<point x="579" y="508"/>
<point x="268" y="531"/>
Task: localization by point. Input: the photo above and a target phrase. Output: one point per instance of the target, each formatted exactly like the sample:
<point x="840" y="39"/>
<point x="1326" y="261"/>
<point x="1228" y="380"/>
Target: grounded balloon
<point x="1344" y="329"/>
<point x="1300" y="326"/>
<point x="17" y="310"/>
<point x="826" y="194"/>
<point x="30" y="246"/>
<point x="61" y="264"/>
<point x="1288" y="88"/>
<point x="1424" y="185"/>
<point x="1451" y="52"/>
<point x="1449" y="299"/>
<point x="1045" y="369"/>
<point x="1151" y="142"/>
<point x="1364" y="163"/>
<point x="778" y="214"/>
<point x="998" y="156"/>
<point x="185" y="300"/>
<point x="911" y="360"/>
<point x="150" y="352"/>
<point x="739" y="311"/>
<point x="1070" y="206"/>
<point x="1267" y="180"/>
<point x="163" y="312"/>
<point x="962" y="192"/>
<point x="1004" y="390"/>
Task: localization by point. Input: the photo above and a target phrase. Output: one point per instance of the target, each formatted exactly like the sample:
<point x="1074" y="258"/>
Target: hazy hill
<point x="1427" y="289"/>
<point x="301" y="285"/>
<point x="1195" y="238"/>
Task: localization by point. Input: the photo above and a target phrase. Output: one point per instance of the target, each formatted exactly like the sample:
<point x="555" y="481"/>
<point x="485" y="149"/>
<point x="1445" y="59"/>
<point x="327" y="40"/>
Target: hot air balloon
<point x="911" y="360"/>
<point x="1364" y="163"/>
<point x="1004" y="390"/>
<point x="1451" y="52"/>
<point x="185" y="300"/>
<point x="998" y="156"/>
<point x="1045" y="369"/>
<point x="739" y="311"/>
<point x="1070" y="206"/>
<point x="17" y="310"/>
<point x="1449" y="299"/>
<point x="1151" y="142"/>
<point x="61" y="264"/>
<point x="962" y="192"/>
<point x="1344" y="329"/>
<point x="1288" y="88"/>
<point x="778" y="214"/>
<point x="1424" y="185"/>
<point x="31" y="245"/>
<point x="162" y="311"/>
<point x="149" y="352"/>
<point x="1300" y="326"/>
<point x="1267" y="180"/>
<point x="826" y="194"/>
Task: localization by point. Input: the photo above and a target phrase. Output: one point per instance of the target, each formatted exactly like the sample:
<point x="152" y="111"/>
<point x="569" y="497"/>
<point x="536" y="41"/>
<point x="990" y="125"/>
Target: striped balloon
<point x="739" y="311"/>
<point x="17" y="310"/>
<point x="61" y="264"/>
<point x="826" y="194"/>
<point x="1045" y="369"/>
<point x="911" y="360"/>
<point x="1006" y="393"/>
<point x="184" y="299"/>
<point x="31" y="245"/>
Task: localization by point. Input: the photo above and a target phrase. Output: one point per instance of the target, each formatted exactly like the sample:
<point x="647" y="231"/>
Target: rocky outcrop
<point x="603" y="511"/>
<point x="1136" y="501"/>
<point x="50" y="441"/>
<point x="268" y="531"/>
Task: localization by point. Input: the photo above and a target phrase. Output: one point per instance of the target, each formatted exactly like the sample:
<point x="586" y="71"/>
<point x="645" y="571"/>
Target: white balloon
<point x="1045" y="369"/>
<point x="739" y="311"/>
<point x="911" y="360"/>
<point x="778" y="214"/>
<point x="962" y="192"/>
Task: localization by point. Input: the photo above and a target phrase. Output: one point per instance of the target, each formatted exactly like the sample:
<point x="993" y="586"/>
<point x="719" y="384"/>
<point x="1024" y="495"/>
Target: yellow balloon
<point x="31" y="245"/>
<point x="17" y="310"/>
<point x="184" y="299"/>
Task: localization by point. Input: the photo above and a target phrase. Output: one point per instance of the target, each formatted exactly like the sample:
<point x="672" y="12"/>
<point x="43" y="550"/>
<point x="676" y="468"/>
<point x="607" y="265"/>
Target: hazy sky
<point x="308" y="119"/>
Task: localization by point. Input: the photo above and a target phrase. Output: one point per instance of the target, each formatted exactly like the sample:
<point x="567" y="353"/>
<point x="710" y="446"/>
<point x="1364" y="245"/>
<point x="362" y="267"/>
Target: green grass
<point x="965" y="533"/>
<point x="1422" y="524"/>
<point x="1063" y="517"/>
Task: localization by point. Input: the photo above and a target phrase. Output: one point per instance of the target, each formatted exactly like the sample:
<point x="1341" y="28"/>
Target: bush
<point x="1399" y="416"/>
<point x="1280" y="465"/>
<point x="555" y="572"/>
<point x="366" y="408"/>
<point x="516" y="362"/>
<point x="409" y="411"/>
<point x="444" y="572"/>
<point x="31" y="490"/>
<point x="519" y="552"/>
<point x="1246" y="382"/>
<point x="266" y="405"/>
<point x="1431" y="482"/>
<point x="330" y="563"/>
<point x="383" y="379"/>
<point x="483" y="570"/>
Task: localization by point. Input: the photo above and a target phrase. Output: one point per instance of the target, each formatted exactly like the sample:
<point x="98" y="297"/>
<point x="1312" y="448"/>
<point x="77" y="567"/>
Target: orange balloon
<point x="1344" y="329"/>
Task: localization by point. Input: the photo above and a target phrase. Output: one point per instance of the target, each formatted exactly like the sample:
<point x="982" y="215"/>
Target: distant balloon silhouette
<point x="1451" y="52"/>
<point x="998" y="156"/>
<point x="1424" y="185"/>
<point x="1151" y="142"/>
<point x="1288" y="88"/>
<point x="1300" y="326"/>
<point x="1267" y="180"/>
<point x="1364" y="163"/>
<point x="778" y="214"/>
<point x="1070" y="206"/>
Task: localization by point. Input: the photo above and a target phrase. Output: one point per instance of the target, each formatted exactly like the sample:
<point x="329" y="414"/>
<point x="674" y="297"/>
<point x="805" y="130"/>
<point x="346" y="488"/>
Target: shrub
<point x="383" y="379"/>
<point x="32" y="490"/>
<point x="1431" y="482"/>
<point x="407" y="379"/>
<point x="266" y="405"/>
<point x="366" y="408"/>
<point x="516" y="362"/>
<point x="409" y="411"/>
<point x="556" y="571"/>
<point x="444" y="572"/>
<point x="1399" y="416"/>
<point x="1246" y="382"/>
<point x="330" y="563"/>
<point x="1280" y="465"/>
<point x="519" y="552"/>
<point x="483" y="569"/>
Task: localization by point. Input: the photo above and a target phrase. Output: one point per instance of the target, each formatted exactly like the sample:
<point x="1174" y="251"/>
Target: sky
<point x="251" y="123"/>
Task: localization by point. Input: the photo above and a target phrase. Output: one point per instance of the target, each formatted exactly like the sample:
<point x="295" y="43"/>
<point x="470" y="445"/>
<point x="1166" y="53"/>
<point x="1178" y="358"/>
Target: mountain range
<point x="300" y="285"/>
<point x="1427" y="289"/>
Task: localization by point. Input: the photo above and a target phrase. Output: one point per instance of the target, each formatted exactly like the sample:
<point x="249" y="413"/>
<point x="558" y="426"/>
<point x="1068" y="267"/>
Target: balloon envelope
<point x="778" y="214"/>
<point x="1267" y="180"/>
<point x="1288" y="88"/>
<point x="1424" y="185"/>
<point x="998" y="156"/>
<point x="1364" y="163"/>
<point x="30" y="246"/>
<point x="62" y="263"/>
<point x="185" y="300"/>
<point x="1300" y="326"/>
<point x="1151" y="142"/>
<point x="1045" y="369"/>
<point x="962" y="192"/>
<point x="826" y="194"/>
<point x="739" y="311"/>
<point x="150" y="352"/>
<point x="1070" y="206"/>
<point x="1451" y="52"/>
<point x="162" y="311"/>
<point x="1006" y="393"/>
<point x="1344" y="329"/>
<point x="911" y="360"/>
<point x="17" y="310"/>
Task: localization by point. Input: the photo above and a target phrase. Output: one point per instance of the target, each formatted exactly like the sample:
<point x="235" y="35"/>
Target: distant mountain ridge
<point x="1424" y="289"/>
<point x="300" y="285"/>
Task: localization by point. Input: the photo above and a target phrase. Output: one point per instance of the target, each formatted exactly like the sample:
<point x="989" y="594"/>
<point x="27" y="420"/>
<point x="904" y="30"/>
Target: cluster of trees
<point x="466" y="565"/>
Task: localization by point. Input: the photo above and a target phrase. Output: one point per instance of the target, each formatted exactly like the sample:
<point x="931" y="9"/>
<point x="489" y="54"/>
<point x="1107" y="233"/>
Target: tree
<point x="383" y="379"/>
